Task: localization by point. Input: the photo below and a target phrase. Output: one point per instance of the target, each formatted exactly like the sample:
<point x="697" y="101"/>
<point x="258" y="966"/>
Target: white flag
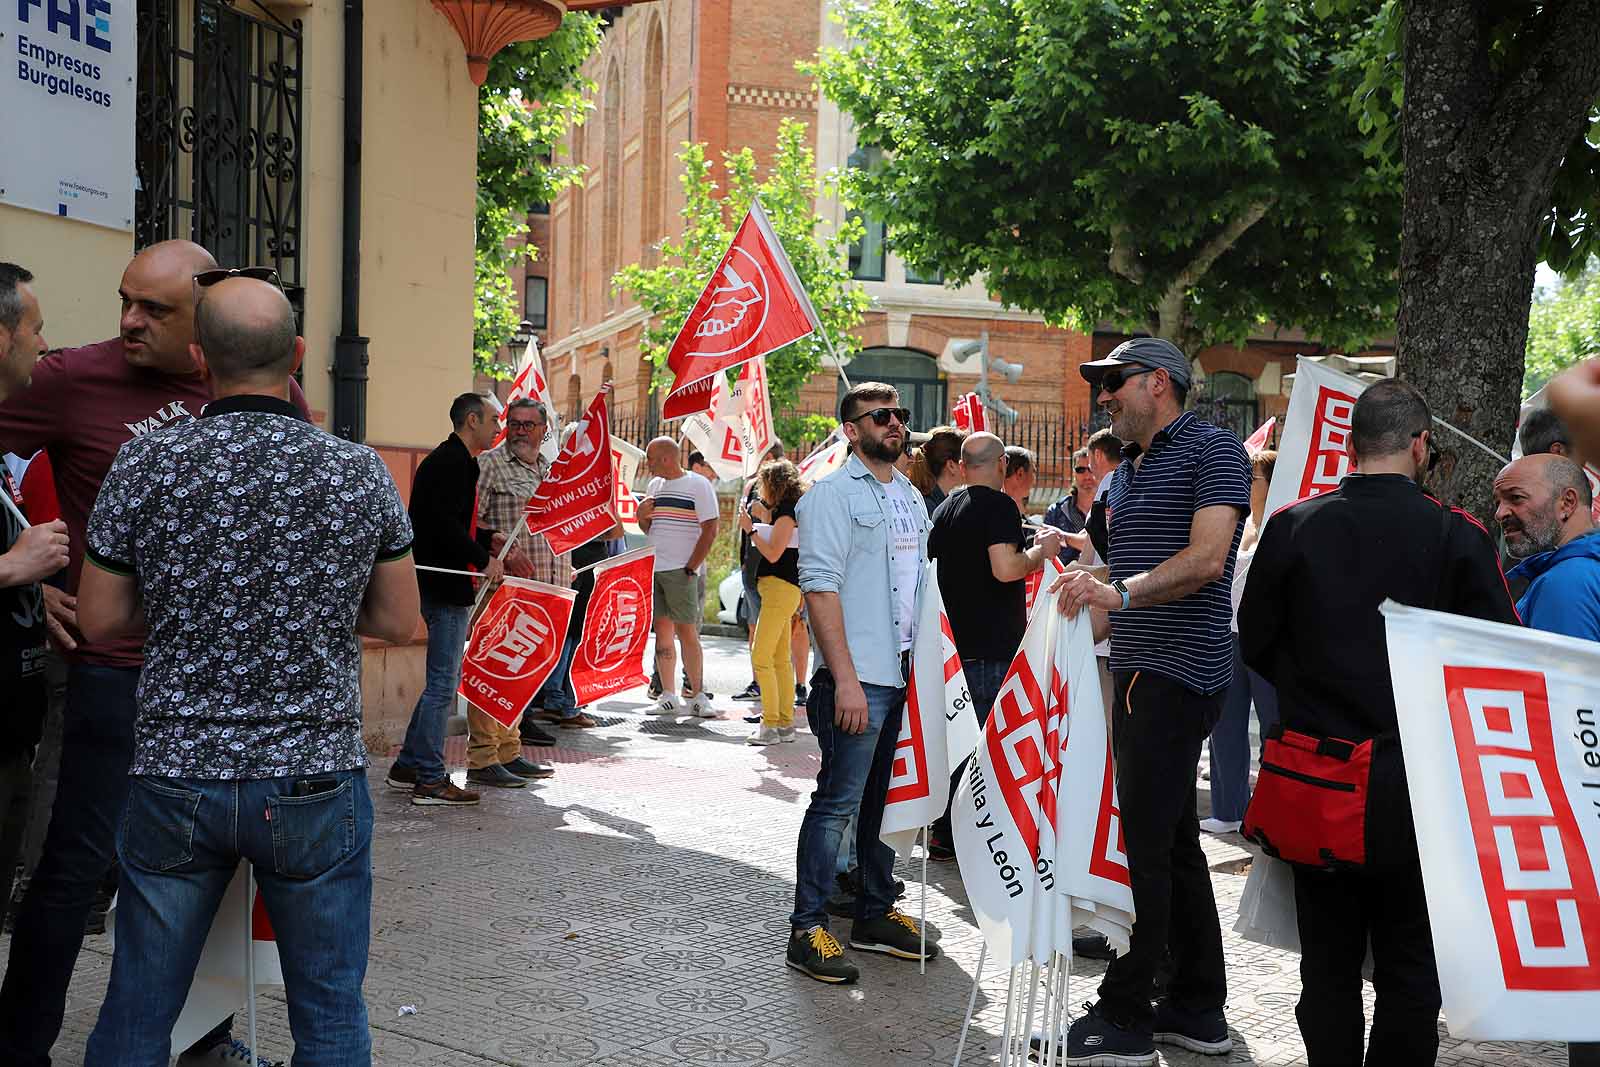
<point x="530" y="384"/>
<point x="938" y="730"/>
<point x="717" y="432"/>
<point x="756" y="436"/>
<point x="1311" y="449"/>
<point x="826" y="458"/>
<point x="1501" y="729"/>
<point x="626" y="460"/>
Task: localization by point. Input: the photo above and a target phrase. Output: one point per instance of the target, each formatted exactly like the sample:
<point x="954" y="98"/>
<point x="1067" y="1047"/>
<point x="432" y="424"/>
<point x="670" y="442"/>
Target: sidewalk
<point x="633" y="911"/>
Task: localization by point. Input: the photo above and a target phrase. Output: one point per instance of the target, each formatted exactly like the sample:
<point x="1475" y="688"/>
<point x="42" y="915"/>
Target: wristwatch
<point x="1122" y="587"/>
<point x="691" y="572"/>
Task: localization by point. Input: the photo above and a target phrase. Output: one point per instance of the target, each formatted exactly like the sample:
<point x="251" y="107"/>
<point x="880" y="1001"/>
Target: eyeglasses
<point x="881" y="416"/>
<point x="1433" y="450"/>
<point x="1080" y="470"/>
<point x="520" y="425"/>
<point x="207" y="278"/>
<point x="1116" y="379"/>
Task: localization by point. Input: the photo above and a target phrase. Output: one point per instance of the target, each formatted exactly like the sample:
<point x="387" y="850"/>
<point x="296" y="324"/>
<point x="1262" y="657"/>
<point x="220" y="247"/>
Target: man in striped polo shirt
<point x="1176" y="510"/>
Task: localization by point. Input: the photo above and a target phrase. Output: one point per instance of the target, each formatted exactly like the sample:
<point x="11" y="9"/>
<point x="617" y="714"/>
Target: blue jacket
<point x="1564" y="592"/>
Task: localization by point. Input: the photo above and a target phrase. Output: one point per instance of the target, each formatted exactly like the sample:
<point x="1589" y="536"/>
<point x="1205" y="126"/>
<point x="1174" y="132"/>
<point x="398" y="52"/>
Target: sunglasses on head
<point x="1433" y="449"/>
<point x="881" y="416"/>
<point x="1115" y="379"/>
<point x="207" y="278"/>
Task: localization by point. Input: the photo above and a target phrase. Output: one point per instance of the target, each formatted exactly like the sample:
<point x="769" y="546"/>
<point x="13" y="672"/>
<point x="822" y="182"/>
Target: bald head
<point x="1541" y="502"/>
<point x="661" y="457"/>
<point x="245" y="331"/>
<point x="983" y="460"/>
<point x="157" y="294"/>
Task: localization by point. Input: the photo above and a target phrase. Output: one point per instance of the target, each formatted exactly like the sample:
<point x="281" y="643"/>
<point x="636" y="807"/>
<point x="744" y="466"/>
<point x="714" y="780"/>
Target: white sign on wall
<point x="66" y="108"/>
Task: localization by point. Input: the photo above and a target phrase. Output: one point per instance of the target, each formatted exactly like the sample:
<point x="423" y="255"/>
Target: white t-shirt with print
<point x="682" y="504"/>
<point x="905" y="527"/>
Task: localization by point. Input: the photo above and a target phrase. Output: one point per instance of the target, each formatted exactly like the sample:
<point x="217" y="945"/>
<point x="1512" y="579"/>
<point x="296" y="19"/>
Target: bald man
<point x="286" y="546"/>
<point x="977" y="538"/>
<point x="1543" y="505"/>
<point x="679" y="516"/>
<point x="82" y="406"/>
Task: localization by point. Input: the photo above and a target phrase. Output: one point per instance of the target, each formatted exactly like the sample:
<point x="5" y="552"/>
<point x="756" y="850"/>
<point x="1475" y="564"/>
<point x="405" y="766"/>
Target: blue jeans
<point x="557" y="693"/>
<point x="854" y="776"/>
<point x="447" y="638"/>
<point x="984" y="678"/>
<point x="1230" y="739"/>
<point x="180" y="843"/>
<point x="79" y="848"/>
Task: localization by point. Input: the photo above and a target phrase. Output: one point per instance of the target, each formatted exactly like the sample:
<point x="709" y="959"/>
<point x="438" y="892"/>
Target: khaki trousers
<point x="490" y="742"/>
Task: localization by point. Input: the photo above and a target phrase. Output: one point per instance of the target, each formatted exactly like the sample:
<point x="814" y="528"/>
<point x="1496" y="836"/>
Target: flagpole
<point x="1005" y="1029"/>
<point x="972" y="1002"/>
<point x="923" y="922"/>
<point x="250" y="954"/>
<point x="1027" y="1026"/>
<point x="16" y="512"/>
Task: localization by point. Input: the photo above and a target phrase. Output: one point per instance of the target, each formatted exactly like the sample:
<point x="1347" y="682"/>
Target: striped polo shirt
<point x="1190" y="465"/>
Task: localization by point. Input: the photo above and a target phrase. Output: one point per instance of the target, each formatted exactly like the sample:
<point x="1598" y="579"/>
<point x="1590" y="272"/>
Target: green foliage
<point x="1103" y="160"/>
<point x="531" y="98"/>
<point x="1563" y="327"/>
<point x="789" y="196"/>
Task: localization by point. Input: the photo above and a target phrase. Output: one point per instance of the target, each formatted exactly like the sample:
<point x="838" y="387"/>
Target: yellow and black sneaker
<point x="817" y="954"/>
<point x="894" y="934"/>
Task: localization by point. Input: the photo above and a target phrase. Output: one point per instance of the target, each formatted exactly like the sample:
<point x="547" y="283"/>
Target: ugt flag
<point x="1501" y="731"/>
<point x="514" y="646"/>
<point x="1311" y="451"/>
<point x="752" y="305"/>
<point x="575" y="502"/>
<point x="736" y="433"/>
<point x="968" y="414"/>
<point x="625" y="463"/>
<point x="938" y="730"/>
<point x="610" y="654"/>
<point x="530" y="383"/>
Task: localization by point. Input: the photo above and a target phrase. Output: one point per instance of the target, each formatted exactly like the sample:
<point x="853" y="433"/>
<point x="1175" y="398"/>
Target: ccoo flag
<point x="752" y="304"/>
<point x="1311" y="450"/>
<point x="938" y="730"/>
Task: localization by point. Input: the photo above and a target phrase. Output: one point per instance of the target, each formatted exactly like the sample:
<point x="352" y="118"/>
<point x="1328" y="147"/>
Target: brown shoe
<point x="442" y="793"/>
<point x="580" y="721"/>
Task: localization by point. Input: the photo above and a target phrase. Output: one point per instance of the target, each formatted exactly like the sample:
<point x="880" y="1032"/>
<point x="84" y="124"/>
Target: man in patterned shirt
<point x="256" y="547"/>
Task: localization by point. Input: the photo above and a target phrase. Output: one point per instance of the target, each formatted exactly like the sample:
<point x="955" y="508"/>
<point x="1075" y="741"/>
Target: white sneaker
<point x="786" y="734"/>
<point x="700" y="707"/>
<point x="1219" y="826"/>
<point x="669" y="704"/>
<point x="766" y="735"/>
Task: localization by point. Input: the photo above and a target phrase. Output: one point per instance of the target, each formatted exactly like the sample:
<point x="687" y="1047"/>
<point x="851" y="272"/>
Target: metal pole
<point x="922" y="924"/>
<point x="972" y="1002"/>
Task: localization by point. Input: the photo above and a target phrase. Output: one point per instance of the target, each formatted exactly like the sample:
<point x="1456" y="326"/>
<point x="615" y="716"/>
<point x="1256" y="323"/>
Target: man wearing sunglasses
<point x="82" y="406"/>
<point x="862" y="557"/>
<point x="1176" y="508"/>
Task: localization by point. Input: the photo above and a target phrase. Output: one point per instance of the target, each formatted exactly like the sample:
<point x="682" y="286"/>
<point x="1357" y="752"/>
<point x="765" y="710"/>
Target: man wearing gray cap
<point x="1175" y="510"/>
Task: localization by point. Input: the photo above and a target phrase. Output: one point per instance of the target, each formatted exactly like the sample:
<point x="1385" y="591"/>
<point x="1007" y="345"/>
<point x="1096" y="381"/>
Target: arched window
<point x="1227" y="399"/>
<point x="574" y="397"/>
<point x="653" y="195"/>
<point x="611" y="178"/>
<point x="914" y="374"/>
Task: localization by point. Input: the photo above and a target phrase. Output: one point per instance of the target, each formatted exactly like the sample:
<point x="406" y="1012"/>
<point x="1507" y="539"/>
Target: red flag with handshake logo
<point x="576" y="501"/>
<point x="752" y="305"/>
<point x="616" y="624"/>
<point x="514" y="646"/>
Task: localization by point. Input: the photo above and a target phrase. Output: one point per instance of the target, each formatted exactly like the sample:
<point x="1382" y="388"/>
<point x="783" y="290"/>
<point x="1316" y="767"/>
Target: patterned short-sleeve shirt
<point x="252" y="535"/>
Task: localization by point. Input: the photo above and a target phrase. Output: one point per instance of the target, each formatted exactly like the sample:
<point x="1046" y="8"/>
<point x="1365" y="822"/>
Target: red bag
<point x="1310" y="802"/>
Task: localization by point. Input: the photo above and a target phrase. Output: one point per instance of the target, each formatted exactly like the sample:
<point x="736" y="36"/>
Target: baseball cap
<point x="1153" y="352"/>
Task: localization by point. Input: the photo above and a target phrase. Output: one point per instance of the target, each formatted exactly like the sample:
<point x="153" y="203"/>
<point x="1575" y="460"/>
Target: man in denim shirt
<point x="861" y="561"/>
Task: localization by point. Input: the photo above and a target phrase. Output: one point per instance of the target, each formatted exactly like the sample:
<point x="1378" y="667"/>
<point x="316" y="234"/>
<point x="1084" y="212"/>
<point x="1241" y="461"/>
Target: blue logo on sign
<point x="86" y="21"/>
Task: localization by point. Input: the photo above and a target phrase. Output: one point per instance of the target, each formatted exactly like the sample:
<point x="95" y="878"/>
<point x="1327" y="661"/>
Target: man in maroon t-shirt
<point x="84" y="403"/>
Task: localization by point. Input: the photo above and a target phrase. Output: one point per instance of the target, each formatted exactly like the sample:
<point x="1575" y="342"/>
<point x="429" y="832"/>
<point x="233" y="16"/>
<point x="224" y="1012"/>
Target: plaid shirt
<point x="504" y="485"/>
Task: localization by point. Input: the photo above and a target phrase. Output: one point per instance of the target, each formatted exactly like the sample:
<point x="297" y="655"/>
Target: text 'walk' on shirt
<point x="1150" y="514"/>
<point x="682" y="504"/>
<point x="987" y="616"/>
<point x="22" y="646"/>
<point x="253" y="535"/>
<point x="82" y="405"/>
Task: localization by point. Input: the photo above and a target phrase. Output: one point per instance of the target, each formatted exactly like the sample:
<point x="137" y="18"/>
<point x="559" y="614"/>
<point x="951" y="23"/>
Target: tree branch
<point x="1170" y="308"/>
<point x="1124" y="260"/>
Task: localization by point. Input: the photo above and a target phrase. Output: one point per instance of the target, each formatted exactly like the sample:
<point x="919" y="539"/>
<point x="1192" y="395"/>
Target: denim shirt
<point x="846" y="550"/>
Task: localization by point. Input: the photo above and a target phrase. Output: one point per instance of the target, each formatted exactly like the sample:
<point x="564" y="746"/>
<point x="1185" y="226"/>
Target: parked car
<point x="730" y="597"/>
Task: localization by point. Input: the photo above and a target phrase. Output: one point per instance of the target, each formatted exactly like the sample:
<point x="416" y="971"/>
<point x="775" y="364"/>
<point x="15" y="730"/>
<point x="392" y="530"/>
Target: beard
<point x="879" y="448"/>
<point x="1542" y="536"/>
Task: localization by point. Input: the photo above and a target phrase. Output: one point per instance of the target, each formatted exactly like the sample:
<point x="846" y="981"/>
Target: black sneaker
<point x="401" y="778"/>
<point x="495" y="776"/>
<point x="941" y="848"/>
<point x="817" y="954"/>
<point x="841" y="905"/>
<point x="894" y="934"/>
<point x="526" y="768"/>
<point x="1092" y="946"/>
<point x="749" y="692"/>
<point x="1096" y="1041"/>
<point x="1205" y="1032"/>
<point x="536" y="735"/>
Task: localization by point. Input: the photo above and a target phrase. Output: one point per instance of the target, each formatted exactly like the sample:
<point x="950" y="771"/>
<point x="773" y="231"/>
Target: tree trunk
<point x="1481" y="153"/>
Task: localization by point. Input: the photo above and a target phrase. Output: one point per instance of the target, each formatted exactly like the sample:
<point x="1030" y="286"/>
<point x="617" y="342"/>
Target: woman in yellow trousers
<point x="770" y="521"/>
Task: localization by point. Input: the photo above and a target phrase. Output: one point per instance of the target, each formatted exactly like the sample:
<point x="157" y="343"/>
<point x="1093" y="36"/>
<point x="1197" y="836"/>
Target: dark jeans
<point x="1230" y="740"/>
<point x="16" y="796"/>
<point x="984" y="677"/>
<point x="181" y="843"/>
<point x="557" y="694"/>
<point x="854" y="776"/>
<point x="1157" y="728"/>
<point x="96" y="750"/>
<point x="1338" y="911"/>
<point x="447" y="639"/>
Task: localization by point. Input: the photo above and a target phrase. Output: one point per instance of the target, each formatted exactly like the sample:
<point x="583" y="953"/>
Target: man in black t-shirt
<point x="977" y="539"/>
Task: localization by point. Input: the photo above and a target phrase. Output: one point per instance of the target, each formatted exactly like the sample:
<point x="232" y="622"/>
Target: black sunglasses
<point x="1116" y="379"/>
<point x="881" y="416"/>
<point x="1433" y="449"/>
<point x="1080" y="470"/>
<point x="207" y="278"/>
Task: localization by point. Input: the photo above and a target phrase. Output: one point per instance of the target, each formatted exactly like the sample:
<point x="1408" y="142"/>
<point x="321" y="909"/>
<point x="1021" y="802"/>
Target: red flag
<point x="576" y="501"/>
<point x="616" y="624"/>
<point x="1257" y="441"/>
<point x="752" y="304"/>
<point x="969" y="415"/>
<point x="514" y="646"/>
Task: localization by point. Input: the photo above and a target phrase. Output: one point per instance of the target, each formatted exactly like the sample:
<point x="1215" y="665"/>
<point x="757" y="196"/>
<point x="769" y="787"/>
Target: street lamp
<point x="1011" y="372"/>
